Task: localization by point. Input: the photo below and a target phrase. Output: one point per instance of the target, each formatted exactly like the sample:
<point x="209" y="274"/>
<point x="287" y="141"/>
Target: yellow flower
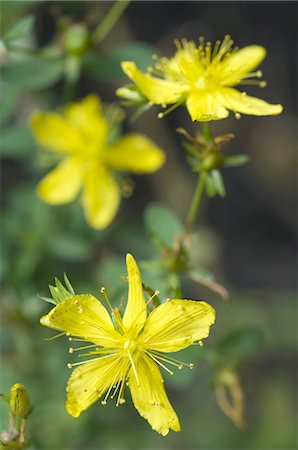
<point x="129" y="349"/>
<point x="80" y="137"/>
<point x="203" y="79"/>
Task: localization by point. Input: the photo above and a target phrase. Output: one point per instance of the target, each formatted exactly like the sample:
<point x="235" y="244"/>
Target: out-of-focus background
<point x="246" y="239"/>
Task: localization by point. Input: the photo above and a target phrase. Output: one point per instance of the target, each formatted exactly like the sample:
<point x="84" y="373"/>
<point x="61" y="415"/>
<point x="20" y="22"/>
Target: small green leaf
<point x="69" y="246"/>
<point x="235" y="161"/>
<point x="10" y="97"/>
<point x="162" y="224"/>
<point x="238" y="345"/>
<point x="210" y="187"/>
<point x="108" y="66"/>
<point x="68" y="284"/>
<point x="21" y="28"/>
<point x="6" y="398"/>
<point x="59" y="292"/>
<point x="16" y="142"/>
<point x="138" y="52"/>
<point x="48" y="300"/>
<point x="34" y="73"/>
<point x="191" y="149"/>
<point x="218" y="182"/>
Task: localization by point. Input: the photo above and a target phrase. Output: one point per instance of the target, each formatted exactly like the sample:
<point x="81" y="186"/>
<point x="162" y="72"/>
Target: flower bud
<point x="76" y="39"/>
<point x="212" y="161"/>
<point x="19" y="401"/>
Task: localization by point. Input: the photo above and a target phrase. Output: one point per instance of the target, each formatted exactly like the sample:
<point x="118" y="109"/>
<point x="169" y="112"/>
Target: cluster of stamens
<point x="202" y="66"/>
<point x="125" y="354"/>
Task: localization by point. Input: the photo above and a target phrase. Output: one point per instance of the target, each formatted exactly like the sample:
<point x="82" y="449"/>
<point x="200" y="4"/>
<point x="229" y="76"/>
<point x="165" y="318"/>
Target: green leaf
<point x="35" y="73"/>
<point x="210" y="187"/>
<point x="48" y="300"/>
<point x="238" y="345"/>
<point x="194" y="151"/>
<point x="21" y="28"/>
<point x="10" y="97"/>
<point x="59" y="292"/>
<point x="162" y="224"/>
<point x="70" y="246"/>
<point x="138" y="52"/>
<point x="235" y="161"/>
<point x="108" y="67"/>
<point x="16" y="142"/>
<point x="218" y="182"/>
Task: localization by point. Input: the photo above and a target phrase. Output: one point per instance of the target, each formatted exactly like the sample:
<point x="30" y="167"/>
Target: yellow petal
<point x="101" y="196"/>
<point x="83" y="316"/>
<point x="240" y="63"/>
<point x="150" y="398"/>
<point x="136" y="311"/>
<point x="176" y="324"/>
<point x="242" y="103"/>
<point x="158" y="91"/>
<point x="62" y="184"/>
<point x="87" y="117"/>
<point x="205" y="106"/>
<point x="135" y="153"/>
<point x="90" y="381"/>
<point x="54" y="132"/>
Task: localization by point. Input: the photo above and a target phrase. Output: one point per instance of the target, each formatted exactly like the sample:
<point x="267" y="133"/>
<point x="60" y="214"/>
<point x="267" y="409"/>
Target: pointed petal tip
<point x="72" y="410"/>
<point x="44" y="320"/>
<point x="128" y="67"/>
<point x="129" y="258"/>
<point x="279" y="108"/>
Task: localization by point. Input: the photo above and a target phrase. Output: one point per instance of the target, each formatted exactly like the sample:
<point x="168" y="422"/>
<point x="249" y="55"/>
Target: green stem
<point x="195" y="203"/>
<point x="206" y="132"/>
<point x="109" y="21"/>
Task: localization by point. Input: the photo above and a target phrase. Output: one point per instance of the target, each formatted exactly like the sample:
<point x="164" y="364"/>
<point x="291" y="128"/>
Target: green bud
<point x="212" y="161"/>
<point x="76" y="39"/>
<point x="129" y="93"/>
<point x="20" y="405"/>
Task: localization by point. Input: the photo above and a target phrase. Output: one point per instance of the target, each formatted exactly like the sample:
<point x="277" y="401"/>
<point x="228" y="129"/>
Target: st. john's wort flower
<point x="129" y="349"/>
<point x="204" y="79"/>
<point x="79" y="136"/>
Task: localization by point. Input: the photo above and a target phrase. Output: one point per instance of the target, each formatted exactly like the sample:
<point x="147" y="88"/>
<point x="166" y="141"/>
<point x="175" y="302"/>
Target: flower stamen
<point x="103" y="291"/>
<point x="160" y="363"/>
<point x="175" y="362"/>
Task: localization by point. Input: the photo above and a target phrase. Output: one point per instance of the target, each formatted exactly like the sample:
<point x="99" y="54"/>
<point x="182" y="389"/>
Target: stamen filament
<point x="156" y="294"/>
<point x="133" y="367"/>
<point x="70" y="365"/>
<point x="170" y="109"/>
<point x="171" y="360"/>
<point x="160" y="364"/>
<point x="103" y="291"/>
<point x="54" y="337"/>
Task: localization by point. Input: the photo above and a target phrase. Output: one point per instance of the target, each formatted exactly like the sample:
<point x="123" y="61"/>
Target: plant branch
<point x="109" y="21"/>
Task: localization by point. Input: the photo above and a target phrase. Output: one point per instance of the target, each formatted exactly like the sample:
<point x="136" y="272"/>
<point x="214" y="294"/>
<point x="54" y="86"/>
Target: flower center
<point x="130" y="345"/>
<point x="201" y="82"/>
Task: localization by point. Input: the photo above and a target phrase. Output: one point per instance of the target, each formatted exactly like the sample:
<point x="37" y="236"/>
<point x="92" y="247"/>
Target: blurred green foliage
<point x="254" y="332"/>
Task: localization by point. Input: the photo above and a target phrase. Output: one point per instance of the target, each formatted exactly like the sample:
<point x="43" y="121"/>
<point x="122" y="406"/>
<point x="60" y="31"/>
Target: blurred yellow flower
<point x="128" y="349"/>
<point x="80" y="137"/>
<point x="203" y="78"/>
